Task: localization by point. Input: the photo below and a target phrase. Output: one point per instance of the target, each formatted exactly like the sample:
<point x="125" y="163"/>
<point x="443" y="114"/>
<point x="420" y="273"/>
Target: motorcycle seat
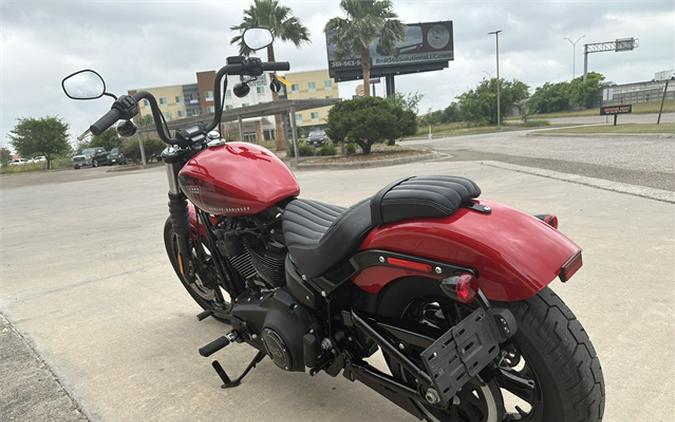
<point x="320" y="235"/>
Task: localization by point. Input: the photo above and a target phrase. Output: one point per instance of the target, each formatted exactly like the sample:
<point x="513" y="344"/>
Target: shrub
<point x="327" y="149"/>
<point x="304" y="150"/>
<point x="350" y="148"/>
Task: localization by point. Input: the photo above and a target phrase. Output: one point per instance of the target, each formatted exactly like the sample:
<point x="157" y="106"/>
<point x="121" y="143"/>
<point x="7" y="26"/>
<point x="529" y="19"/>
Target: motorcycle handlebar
<point x="274" y="66"/>
<point x="107" y="120"/>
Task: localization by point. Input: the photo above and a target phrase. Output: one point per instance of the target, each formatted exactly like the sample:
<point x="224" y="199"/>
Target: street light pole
<point x="574" y="54"/>
<point x="499" y="112"/>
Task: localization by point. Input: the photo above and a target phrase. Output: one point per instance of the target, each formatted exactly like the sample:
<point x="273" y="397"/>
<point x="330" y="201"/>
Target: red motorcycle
<point x="451" y="289"/>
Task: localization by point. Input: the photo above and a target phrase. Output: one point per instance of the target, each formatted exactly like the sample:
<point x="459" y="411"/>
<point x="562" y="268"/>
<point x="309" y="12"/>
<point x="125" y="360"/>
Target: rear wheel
<point x="547" y="372"/>
<point x="206" y="288"/>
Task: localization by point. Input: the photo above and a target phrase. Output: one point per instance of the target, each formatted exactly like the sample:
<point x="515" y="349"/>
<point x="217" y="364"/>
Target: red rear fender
<point x="514" y="254"/>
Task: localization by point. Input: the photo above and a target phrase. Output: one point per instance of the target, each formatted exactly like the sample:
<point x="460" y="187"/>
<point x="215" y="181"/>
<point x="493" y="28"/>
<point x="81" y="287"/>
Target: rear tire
<point x="552" y="349"/>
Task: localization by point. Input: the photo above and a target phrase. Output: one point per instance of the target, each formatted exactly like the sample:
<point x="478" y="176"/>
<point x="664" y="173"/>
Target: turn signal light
<point x="462" y="288"/>
<point x="570" y="267"/>
<point x="549" y="219"/>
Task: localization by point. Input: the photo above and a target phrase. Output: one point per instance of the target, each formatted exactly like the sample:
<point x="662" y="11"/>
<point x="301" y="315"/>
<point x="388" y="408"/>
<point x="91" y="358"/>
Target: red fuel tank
<point x="236" y="179"/>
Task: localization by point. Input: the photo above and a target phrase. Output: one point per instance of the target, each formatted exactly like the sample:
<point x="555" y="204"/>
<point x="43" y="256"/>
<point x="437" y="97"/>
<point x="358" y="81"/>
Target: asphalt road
<point x="644" y="160"/>
<point x="85" y="279"/>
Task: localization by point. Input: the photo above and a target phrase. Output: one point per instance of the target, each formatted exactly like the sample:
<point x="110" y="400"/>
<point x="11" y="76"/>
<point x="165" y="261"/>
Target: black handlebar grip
<point x="272" y="66"/>
<point x="107" y="120"/>
<point x="214" y="346"/>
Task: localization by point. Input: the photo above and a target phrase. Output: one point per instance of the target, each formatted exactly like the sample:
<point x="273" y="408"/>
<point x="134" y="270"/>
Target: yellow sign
<point x="283" y="80"/>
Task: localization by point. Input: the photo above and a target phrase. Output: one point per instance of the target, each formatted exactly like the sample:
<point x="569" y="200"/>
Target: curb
<point x="424" y="156"/>
<point x="602" y="135"/>
<point x="641" y="191"/>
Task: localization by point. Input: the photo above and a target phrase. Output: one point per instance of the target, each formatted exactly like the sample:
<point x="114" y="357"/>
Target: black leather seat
<point x="320" y="235"/>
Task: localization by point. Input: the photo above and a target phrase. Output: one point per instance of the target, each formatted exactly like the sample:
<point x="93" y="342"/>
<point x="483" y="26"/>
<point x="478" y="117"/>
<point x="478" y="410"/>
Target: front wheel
<point x="547" y="372"/>
<point x="205" y="287"/>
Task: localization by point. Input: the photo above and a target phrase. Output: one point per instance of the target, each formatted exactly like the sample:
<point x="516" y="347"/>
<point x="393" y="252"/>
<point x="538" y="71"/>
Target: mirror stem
<point x="113" y="96"/>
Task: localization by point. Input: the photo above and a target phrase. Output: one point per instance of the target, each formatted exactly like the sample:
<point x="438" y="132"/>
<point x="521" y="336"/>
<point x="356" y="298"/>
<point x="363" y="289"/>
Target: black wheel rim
<point x="204" y="283"/>
<point x="513" y="387"/>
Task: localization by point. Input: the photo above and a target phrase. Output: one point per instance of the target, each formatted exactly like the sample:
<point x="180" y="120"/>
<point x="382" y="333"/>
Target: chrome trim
<point x="172" y="178"/>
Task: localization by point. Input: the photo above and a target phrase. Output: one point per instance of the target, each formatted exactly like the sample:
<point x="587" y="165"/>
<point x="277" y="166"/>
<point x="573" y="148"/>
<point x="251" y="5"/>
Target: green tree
<point x="451" y="114"/>
<point x="586" y="94"/>
<point x="364" y="121"/>
<point x="106" y="140"/>
<point x="408" y="102"/>
<point x="146" y="120"/>
<point x="366" y="20"/>
<point x="5" y="156"/>
<point x="286" y="27"/>
<point x="479" y="105"/>
<point x="46" y="136"/>
<point x="550" y="98"/>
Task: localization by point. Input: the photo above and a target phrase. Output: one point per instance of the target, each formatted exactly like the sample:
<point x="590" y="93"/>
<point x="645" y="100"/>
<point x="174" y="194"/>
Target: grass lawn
<point x="668" y="128"/>
<point x="640" y="108"/>
<point x="457" y="129"/>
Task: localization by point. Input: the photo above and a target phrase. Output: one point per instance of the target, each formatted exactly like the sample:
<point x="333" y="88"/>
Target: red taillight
<point x="461" y="288"/>
<point x="412" y="265"/>
<point x="570" y="267"/>
<point x="549" y="219"/>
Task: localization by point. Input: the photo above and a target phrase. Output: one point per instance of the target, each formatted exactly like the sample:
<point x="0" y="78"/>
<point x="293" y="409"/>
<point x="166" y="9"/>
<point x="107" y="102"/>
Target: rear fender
<point x="514" y="254"/>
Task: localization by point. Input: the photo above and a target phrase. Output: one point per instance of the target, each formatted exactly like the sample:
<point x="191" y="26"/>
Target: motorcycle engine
<point x="255" y="248"/>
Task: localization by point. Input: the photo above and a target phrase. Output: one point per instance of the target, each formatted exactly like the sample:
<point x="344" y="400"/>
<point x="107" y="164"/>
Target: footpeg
<point x="218" y="344"/>
<point x="204" y="314"/>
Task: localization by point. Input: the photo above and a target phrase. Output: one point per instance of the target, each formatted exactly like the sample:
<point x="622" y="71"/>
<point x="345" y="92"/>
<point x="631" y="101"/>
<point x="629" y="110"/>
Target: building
<point x="637" y="92"/>
<point x="309" y="85"/>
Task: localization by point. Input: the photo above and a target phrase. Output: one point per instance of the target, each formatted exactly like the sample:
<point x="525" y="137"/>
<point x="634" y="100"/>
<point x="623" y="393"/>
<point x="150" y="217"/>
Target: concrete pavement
<point x="84" y="276"/>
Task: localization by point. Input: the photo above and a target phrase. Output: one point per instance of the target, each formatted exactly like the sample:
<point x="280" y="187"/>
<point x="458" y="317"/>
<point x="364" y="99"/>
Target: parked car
<point x="98" y="156"/>
<point x="18" y="162"/>
<point x="317" y="137"/>
<point x="80" y="161"/>
<point x="115" y="156"/>
<point x="38" y="159"/>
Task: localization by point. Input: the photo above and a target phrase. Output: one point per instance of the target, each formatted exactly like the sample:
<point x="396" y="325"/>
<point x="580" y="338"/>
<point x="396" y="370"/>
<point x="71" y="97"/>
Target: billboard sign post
<point x="426" y="46"/>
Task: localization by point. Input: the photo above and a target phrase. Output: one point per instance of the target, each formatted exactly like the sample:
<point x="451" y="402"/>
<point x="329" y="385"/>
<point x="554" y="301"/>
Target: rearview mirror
<point x="257" y="38"/>
<point x="83" y="85"/>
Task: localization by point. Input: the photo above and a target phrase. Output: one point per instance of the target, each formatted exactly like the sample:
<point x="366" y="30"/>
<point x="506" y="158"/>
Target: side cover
<point x="514" y="254"/>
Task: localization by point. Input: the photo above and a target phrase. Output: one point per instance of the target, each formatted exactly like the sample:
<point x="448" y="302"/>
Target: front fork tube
<point x="180" y="219"/>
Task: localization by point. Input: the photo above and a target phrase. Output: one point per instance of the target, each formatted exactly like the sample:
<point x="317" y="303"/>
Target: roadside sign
<point x="616" y="110"/>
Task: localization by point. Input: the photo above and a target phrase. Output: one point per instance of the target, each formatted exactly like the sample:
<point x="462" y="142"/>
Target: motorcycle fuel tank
<point x="236" y="179"/>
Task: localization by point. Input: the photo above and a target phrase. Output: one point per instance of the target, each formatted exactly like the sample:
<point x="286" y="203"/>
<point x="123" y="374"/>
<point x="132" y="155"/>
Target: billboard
<point x="426" y="46"/>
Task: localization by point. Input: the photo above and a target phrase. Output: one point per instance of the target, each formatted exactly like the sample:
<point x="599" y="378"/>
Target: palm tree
<point x="278" y="19"/>
<point x="366" y="20"/>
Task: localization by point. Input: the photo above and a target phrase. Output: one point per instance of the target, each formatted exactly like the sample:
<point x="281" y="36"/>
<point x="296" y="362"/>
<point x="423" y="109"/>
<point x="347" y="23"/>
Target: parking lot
<point x="86" y="281"/>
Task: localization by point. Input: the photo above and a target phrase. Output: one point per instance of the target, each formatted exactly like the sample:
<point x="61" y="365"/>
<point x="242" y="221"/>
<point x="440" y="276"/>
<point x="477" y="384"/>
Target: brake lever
<point x="84" y="135"/>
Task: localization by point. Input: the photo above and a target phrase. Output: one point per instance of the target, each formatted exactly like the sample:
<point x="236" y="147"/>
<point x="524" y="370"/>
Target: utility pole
<point x="499" y="112"/>
<point x="574" y="54"/>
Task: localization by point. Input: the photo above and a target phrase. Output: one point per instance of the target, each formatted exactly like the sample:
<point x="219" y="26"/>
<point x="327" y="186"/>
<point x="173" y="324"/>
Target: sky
<point x="153" y="43"/>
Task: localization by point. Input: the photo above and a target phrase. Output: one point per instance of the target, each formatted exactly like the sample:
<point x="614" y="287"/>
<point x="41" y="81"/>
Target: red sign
<point x="618" y="109"/>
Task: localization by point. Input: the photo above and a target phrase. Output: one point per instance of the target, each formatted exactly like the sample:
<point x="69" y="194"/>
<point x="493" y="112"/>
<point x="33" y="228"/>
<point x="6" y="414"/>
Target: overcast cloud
<point x="153" y="43"/>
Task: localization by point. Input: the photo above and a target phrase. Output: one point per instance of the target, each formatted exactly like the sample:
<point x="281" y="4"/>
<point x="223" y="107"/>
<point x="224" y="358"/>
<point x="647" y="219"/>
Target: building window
<point x="208" y="95"/>
<point x="260" y="90"/>
<point x="167" y="115"/>
<point x="328" y="84"/>
<point x="298" y="117"/>
<point x="315" y="115"/>
<point x="162" y="100"/>
<point x="211" y="109"/>
<point x="228" y="94"/>
<point x="228" y="107"/>
<point x="329" y="96"/>
<point x="179" y="113"/>
<point x="179" y="99"/>
<point x="295" y="88"/>
<point x="244" y="104"/>
<point x="311" y="86"/>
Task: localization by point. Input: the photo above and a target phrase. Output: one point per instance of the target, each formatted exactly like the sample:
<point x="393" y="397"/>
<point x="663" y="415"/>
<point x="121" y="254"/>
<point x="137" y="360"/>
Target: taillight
<point x="549" y="219"/>
<point x="462" y="288"/>
<point x="570" y="267"/>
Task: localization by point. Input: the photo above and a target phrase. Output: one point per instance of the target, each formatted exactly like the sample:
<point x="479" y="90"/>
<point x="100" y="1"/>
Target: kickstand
<point x="227" y="383"/>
